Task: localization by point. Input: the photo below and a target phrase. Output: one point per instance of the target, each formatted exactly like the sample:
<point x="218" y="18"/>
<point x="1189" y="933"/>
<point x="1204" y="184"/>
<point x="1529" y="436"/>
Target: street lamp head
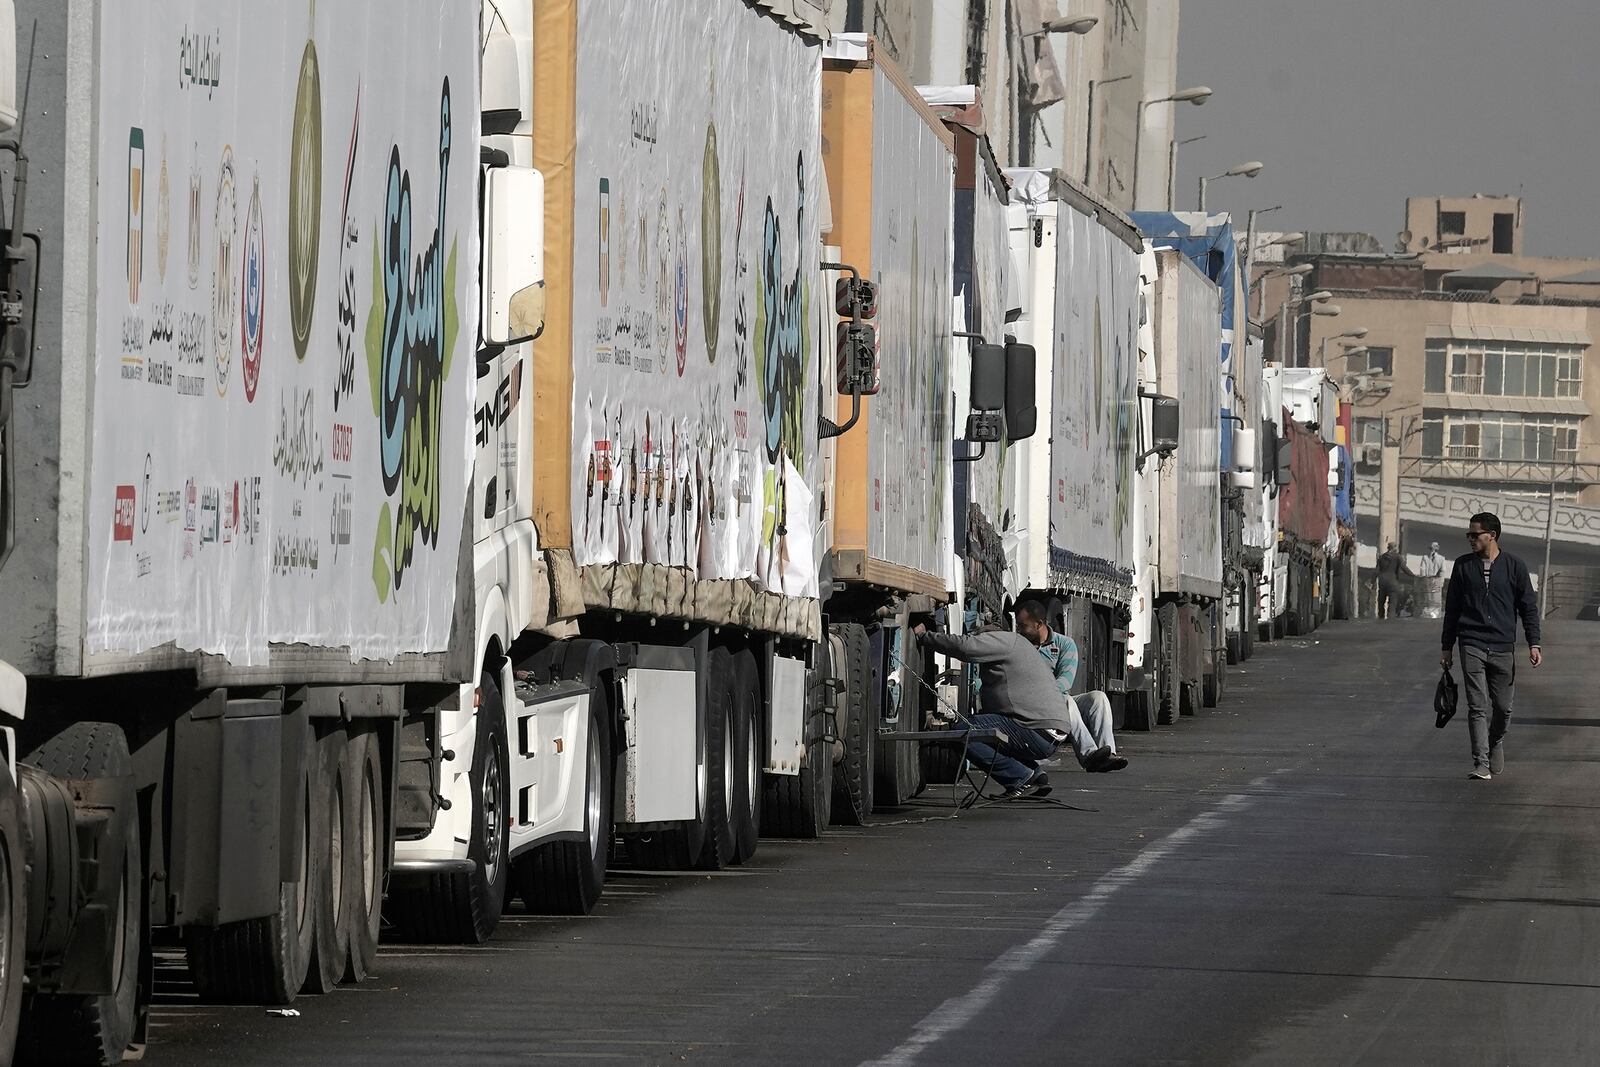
<point x="1244" y="170"/>
<point x="1359" y="331"/>
<point x="1299" y="270"/>
<point x="1327" y="309"/>
<point x="1069" y="24"/>
<point x="1197" y="95"/>
<point x="1321" y="296"/>
<point x="1292" y="238"/>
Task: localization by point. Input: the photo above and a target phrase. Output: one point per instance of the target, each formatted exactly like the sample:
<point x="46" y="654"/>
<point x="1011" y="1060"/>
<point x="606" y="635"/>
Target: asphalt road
<point x="1302" y="876"/>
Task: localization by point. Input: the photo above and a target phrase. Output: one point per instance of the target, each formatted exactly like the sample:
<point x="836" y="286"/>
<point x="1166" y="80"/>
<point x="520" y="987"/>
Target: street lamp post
<point x="1027" y="112"/>
<point x="1319" y="305"/>
<point x="1322" y="346"/>
<point x="1172" y="165"/>
<point x="1088" y="126"/>
<point x="1243" y="170"/>
<point x="1197" y="95"/>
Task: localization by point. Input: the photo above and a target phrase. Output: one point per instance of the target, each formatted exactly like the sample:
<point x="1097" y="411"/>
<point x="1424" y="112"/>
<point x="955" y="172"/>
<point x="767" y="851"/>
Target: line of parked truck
<point x="448" y="452"/>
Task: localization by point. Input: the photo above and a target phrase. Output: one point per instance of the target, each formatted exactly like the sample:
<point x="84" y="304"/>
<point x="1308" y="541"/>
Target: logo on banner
<point x="252" y="305"/>
<point x="194" y="220"/>
<point x="135" y="257"/>
<point x="225" y="224"/>
<point x="122" y="515"/>
<point x="305" y="197"/>
<point x="411" y="335"/>
<point x="163" y="214"/>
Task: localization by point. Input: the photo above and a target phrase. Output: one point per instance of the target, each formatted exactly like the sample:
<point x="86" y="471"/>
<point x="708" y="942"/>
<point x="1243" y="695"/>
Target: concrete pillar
<point x="1389" y="497"/>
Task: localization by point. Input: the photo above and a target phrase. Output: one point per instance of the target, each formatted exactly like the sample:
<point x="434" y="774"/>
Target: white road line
<point x="958" y="1011"/>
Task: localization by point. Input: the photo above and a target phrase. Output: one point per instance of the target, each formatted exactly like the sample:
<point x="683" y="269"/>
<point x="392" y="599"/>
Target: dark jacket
<point x="1486" y="616"/>
<point x="1017" y="682"/>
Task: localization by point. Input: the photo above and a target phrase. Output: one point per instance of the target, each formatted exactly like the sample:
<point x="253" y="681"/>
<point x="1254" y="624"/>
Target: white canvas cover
<point x="696" y="277"/>
<point x="991" y="266"/>
<point x="284" y="324"/>
<point x="1094" y="387"/>
<point x="1198" y="505"/>
<point x="908" y="455"/>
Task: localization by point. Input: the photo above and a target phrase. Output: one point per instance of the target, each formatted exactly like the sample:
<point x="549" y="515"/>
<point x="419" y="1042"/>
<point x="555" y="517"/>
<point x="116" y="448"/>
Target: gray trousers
<point x="1490" y="677"/>
<point x="1095" y="709"/>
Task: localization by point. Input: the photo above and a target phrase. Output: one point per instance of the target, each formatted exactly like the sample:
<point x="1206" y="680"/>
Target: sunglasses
<point x="1473" y="535"/>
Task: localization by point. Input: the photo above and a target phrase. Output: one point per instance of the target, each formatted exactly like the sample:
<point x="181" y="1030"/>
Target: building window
<point x="1435" y="362"/>
<point x="1433" y="435"/>
<point x="1504" y="226"/>
<point x="1506" y="437"/>
<point x="1465" y="440"/>
<point x="1504" y="368"/>
<point x="1369" y="432"/>
<point x="1379" y="360"/>
<point x="1452" y="223"/>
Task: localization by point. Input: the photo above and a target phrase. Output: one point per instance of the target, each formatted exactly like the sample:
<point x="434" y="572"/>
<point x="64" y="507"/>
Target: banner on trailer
<point x="695" y="284"/>
<point x="1198" y="499"/>
<point x="288" y="253"/>
<point x="1094" y="387"/>
<point x="912" y="262"/>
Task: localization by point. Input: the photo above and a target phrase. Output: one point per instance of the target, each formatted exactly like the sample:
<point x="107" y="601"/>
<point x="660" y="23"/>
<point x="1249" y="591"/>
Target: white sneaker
<point x="1480" y="773"/>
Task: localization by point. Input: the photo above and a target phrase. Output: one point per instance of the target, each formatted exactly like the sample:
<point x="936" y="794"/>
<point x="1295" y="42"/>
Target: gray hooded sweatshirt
<point x="1017" y="681"/>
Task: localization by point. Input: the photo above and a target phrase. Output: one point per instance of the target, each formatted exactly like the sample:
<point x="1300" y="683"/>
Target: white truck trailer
<point x="1072" y="494"/>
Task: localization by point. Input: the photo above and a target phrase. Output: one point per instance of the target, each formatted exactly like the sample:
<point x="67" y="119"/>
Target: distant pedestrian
<point x="1391" y="566"/>
<point x="1488" y="591"/>
<point x="1432" y="571"/>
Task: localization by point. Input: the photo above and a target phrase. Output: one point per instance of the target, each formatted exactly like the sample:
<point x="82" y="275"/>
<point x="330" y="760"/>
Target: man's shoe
<point x="1497" y="758"/>
<point x="1480" y="773"/>
<point x="1038" y="785"/>
<point x="1103" y="760"/>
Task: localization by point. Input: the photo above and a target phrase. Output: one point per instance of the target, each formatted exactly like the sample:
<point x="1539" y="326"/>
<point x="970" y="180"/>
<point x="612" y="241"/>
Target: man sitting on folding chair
<point x="1019" y="697"/>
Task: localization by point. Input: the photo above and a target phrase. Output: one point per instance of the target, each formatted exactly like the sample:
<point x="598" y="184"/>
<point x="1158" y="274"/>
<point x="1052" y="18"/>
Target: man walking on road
<point x="1391" y="565"/>
<point x="1432" y="568"/>
<point x="1060" y="654"/>
<point x="1488" y="591"/>
<point x="1019" y="697"/>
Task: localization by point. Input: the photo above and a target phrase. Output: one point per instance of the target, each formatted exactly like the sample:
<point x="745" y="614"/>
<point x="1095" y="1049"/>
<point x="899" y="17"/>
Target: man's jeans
<point x="1016" y="761"/>
<point x="1095" y="707"/>
<point x="1489" y="677"/>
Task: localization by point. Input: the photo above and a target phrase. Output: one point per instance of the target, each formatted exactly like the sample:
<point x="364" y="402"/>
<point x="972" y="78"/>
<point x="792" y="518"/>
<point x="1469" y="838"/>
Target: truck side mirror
<point x="1022" y="414"/>
<point x="1335" y="469"/>
<point x="1284" y="474"/>
<point x="1244" y="449"/>
<point x="988" y="391"/>
<point x="857" y="340"/>
<point x="984" y="427"/>
<point x="1243" y="479"/>
<point x="1164" y="424"/>
<point x="513" y="256"/>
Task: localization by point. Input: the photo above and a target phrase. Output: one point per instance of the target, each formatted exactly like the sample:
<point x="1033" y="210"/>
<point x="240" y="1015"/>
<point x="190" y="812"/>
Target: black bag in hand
<point x="1444" y="700"/>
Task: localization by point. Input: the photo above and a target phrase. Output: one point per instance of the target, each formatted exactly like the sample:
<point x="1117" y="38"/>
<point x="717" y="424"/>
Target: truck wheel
<point x="898" y="764"/>
<point x="566" y="877"/>
<point x="750" y="751"/>
<point x="801" y="805"/>
<point x="1234" y="647"/>
<point x="265" y="961"/>
<point x="366" y="838"/>
<point x="707" y="842"/>
<point x="464" y="909"/>
<point x="13" y="914"/>
<point x="853" y="775"/>
<point x="63" y="1028"/>
<point x="1168" y="674"/>
<point x="330" y="939"/>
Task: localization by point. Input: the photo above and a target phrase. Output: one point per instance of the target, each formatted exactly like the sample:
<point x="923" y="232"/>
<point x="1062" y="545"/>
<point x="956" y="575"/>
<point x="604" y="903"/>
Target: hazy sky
<point x="1353" y="105"/>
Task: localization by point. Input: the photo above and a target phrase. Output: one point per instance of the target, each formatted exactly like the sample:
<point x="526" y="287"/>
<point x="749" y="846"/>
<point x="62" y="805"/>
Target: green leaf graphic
<point x="452" y="317"/>
<point x="375" y="330"/>
<point x="382" y="554"/>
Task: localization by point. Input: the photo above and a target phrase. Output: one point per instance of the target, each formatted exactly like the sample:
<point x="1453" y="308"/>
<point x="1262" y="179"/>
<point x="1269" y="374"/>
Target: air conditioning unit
<point x="1372" y="455"/>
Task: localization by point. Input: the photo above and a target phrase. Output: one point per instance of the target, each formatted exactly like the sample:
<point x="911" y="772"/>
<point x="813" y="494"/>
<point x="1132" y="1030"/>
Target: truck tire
<point x="1168" y="691"/>
<point x="567" y="877"/>
<point x="330" y="937"/>
<point x="853" y="774"/>
<point x="706" y="843"/>
<point x="265" y="961"/>
<point x="801" y="805"/>
<point x="1215" y="684"/>
<point x="78" y="1029"/>
<point x="750" y="749"/>
<point x="898" y="764"/>
<point x="465" y="908"/>
<point x="366" y="851"/>
<point x="13" y="915"/>
<point x="1141" y="714"/>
